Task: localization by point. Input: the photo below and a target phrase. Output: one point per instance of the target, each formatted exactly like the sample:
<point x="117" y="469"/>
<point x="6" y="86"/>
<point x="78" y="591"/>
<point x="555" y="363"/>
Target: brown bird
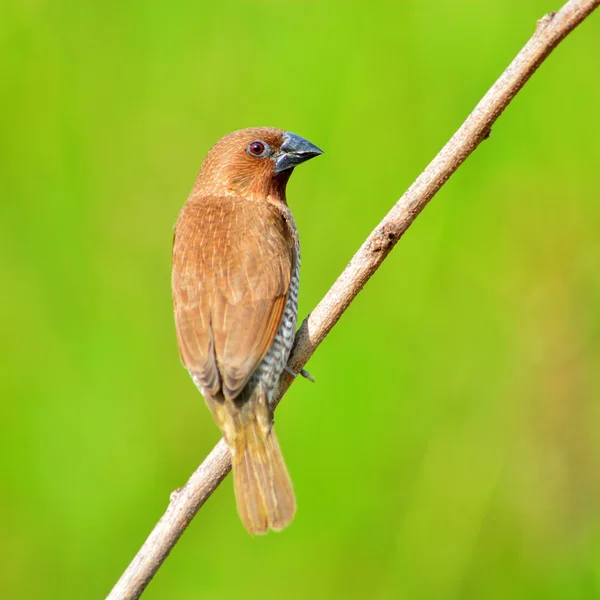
<point x="236" y="264"/>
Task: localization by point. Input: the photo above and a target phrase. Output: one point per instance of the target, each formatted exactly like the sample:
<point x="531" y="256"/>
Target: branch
<point x="186" y="502"/>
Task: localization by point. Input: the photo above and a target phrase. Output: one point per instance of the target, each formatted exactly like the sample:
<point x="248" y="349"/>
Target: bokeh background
<point x="450" y="446"/>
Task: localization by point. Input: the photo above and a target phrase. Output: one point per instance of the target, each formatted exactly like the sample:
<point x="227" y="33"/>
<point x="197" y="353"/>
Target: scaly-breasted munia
<point x="236" y="263"/>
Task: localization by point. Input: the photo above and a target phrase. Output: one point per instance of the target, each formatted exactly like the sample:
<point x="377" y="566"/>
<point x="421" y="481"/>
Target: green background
<point x="450" y="446"/>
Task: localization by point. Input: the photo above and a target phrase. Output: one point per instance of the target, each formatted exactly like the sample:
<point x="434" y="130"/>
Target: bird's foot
<point x="303" y="372"/>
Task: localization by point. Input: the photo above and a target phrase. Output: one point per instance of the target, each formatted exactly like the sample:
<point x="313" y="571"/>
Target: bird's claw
<point x="303" y="372"/>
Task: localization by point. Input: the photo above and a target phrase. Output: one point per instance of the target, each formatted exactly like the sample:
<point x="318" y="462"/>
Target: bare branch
<point x="186" y="502"/>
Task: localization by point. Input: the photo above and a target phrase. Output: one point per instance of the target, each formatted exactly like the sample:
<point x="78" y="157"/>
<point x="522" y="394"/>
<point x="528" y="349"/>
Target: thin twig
<point x="186" y="502"/>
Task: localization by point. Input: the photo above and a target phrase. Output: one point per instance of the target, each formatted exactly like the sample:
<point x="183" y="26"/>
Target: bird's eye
<point x="259" y="149"/>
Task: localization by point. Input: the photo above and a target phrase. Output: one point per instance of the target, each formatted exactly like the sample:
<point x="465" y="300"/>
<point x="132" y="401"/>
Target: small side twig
<point x="186" y="502"/>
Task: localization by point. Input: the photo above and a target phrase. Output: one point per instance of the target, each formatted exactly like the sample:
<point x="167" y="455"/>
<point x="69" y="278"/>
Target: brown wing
<point x="232" y="266"/>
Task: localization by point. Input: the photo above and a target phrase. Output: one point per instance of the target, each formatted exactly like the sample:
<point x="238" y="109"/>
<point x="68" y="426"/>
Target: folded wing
<point x="232" y="267"/>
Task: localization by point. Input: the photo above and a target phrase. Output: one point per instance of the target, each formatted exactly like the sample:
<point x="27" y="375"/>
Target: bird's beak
<point x="293" y="151"/>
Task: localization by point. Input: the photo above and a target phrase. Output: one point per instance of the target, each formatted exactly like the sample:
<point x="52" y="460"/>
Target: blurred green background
<point x="450" y="446"/>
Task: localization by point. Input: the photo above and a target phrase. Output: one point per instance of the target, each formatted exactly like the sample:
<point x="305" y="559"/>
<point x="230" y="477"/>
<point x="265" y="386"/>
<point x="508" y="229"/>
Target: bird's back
<point x="234" y="262"/>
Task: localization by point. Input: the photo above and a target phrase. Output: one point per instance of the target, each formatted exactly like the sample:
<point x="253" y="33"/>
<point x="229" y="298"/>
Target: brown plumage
<point x="236" y="260"/>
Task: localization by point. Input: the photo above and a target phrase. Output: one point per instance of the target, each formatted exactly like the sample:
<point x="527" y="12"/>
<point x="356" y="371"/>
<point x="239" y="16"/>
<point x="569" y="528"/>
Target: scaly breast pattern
<point x="270" y="368"/>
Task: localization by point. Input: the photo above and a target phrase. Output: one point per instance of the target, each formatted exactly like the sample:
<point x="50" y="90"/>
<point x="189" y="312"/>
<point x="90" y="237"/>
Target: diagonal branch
<point x="186" y="502"/>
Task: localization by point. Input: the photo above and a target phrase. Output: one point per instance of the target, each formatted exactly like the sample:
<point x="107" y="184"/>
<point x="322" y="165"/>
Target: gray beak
<point x="293" y="151"/>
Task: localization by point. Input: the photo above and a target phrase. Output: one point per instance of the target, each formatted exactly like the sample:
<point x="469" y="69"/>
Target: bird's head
<point x="254" y="161"/>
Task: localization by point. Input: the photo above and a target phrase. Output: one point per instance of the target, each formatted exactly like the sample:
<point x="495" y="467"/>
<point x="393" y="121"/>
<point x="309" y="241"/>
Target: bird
<point x="235" y="277"/>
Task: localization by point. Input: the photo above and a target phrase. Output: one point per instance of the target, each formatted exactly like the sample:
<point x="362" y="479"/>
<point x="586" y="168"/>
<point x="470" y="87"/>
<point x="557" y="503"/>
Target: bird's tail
<point x="263" y="489"/>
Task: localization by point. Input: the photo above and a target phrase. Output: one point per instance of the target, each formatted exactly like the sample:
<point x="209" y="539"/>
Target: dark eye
<point x="259" y="149"/>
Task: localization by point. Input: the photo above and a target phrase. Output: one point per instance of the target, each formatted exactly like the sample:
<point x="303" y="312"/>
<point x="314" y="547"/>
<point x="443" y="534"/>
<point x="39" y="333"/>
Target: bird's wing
<point x="232" y="267"/>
